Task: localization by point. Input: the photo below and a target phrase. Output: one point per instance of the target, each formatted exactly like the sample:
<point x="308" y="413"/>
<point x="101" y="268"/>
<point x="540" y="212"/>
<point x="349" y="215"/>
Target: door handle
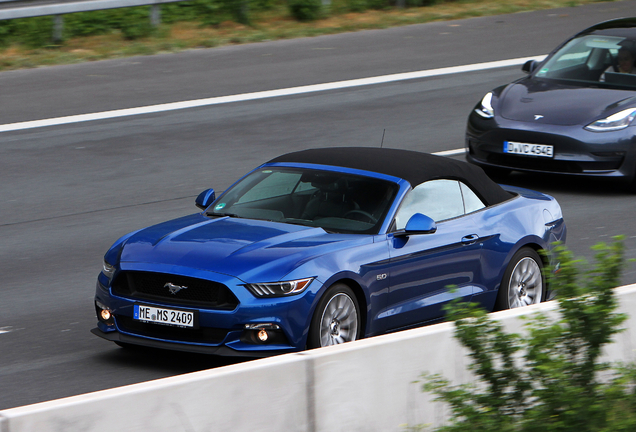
<point x="470" y="239"/>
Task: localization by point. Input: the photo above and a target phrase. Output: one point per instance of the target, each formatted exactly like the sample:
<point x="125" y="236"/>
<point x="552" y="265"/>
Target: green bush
<point x="305" y="10"/>
<point x="134" y="23"/>
<point x="357" y="5"/>
<point x="210" y="12"/>
<point x="379" y="4"/>
<point x="420" y="3"/>
<point x="240" y="11"/>
<point x="263" y="4"/>
<point x="551" y="379"/>
<point x="32" y="32"/>
<point x="89" y="23"/>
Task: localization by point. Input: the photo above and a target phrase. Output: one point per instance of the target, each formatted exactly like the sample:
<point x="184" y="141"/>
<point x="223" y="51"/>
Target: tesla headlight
<point x="615" y="122"/>
<point x="278" y="289"/>
<point x="486" y="110"/>
<point x="108" y="270"/>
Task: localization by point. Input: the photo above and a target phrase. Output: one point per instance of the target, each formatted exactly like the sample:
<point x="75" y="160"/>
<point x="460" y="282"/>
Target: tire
<point x="523" y="282"/>
<point x="336" y="319"/>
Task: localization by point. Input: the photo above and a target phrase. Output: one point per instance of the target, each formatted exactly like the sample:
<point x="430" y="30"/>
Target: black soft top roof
<point x="412" y="166"/>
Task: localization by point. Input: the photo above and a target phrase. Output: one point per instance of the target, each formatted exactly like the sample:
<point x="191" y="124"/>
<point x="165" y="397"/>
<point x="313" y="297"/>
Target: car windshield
<point x="607" y="61"/>
<point x="334" y="201"/>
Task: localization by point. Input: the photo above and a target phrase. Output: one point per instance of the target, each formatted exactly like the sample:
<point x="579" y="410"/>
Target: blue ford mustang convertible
<point x="325" y="246"/>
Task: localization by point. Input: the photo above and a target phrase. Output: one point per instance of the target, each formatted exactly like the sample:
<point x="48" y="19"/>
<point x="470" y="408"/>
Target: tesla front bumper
<point x="576" y="150"/>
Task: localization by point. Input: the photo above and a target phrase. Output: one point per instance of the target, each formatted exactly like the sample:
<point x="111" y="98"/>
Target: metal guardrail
<point x="57" y="10"/>
<point x="81" y="6"/>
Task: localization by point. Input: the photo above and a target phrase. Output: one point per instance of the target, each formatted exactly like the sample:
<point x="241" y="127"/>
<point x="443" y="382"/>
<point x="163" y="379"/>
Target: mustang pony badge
<point x="174" y="289"/>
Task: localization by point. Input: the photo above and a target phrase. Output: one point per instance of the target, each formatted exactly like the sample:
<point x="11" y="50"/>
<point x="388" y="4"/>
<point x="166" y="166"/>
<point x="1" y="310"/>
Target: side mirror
<point x="529" y="66"/>
<point x="418" y="224"/>
<point x="205" y="198"/>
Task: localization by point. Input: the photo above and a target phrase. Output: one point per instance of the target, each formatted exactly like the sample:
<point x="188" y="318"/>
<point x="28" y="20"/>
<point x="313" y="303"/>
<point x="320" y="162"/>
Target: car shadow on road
<point x="170" y="362"/>
<point x="553" y="183"/>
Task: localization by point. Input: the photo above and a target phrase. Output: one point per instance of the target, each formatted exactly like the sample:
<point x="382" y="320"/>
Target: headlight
<point x="486" y="110"/>
<point x="617" y="121"/>
<point x="108" y="270"/>
<point x="278" y="289"/>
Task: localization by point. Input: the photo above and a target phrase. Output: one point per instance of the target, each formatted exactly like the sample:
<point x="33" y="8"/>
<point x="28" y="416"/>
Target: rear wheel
<point x="336" y="319"/>
<point x="523" y="283"/>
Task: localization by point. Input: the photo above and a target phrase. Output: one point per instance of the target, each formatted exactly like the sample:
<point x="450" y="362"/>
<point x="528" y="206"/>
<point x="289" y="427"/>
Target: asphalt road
<point x="69" y="191"/>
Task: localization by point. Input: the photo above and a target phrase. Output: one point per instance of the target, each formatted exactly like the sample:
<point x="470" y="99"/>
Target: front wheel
<point x="523" y="283"/>
<point x="336" y="319"/>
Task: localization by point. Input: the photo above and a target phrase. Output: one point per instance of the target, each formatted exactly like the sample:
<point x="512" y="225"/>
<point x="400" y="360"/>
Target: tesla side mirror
<point x="418" y="224"/>
<point x="205" y="198"/>
<point x="529" y="66"/>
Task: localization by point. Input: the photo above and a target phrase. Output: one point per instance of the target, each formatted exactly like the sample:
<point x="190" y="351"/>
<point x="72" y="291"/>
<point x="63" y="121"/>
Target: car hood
<point x="547" y="102"/>
<point x="244" y="248"/>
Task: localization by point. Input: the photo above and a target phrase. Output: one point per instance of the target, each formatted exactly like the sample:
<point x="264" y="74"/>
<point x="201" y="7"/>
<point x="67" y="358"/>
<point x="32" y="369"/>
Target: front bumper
<point x="224" y="351"/>
<point x="576" y="151"/>
<point x="218" y="331"/>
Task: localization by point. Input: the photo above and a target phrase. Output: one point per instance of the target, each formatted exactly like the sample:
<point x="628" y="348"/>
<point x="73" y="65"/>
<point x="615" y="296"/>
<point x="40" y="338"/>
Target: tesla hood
<point x="542" y="102"/>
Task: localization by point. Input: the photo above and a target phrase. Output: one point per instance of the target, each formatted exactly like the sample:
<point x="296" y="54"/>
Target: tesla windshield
<point x="335" y="201"/>
<point x="594" y="59"/>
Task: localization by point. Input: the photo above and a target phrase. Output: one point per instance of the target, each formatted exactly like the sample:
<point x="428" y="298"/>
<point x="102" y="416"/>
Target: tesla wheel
<point x="336" y="319"/>
<point x="523" y="283"/>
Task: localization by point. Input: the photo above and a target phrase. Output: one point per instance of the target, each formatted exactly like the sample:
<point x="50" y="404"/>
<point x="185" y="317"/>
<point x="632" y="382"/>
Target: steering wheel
<point x="355" y="212"/>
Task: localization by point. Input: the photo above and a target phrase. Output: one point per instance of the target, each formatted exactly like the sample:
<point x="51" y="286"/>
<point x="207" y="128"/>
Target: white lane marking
<point x="150" y="109"/>
<point x="451" y="152"/>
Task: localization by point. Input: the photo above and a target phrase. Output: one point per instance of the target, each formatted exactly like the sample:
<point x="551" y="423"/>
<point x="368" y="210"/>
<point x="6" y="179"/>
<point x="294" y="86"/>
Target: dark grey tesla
<point x="573" y="114"/>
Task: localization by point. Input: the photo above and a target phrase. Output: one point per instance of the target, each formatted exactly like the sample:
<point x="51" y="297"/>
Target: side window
<point x="437" y="199"/>
<point x="471" y="200"/>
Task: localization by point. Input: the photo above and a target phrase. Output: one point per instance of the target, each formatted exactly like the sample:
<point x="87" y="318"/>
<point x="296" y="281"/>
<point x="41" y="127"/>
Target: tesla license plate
<point x="163" y="316"/>
<point x="526" y="149"/>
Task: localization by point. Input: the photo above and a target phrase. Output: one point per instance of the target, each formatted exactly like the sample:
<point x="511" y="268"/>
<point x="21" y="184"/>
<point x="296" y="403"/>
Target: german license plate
<point x="158" y="315"/>
<point x="526" y="149"/>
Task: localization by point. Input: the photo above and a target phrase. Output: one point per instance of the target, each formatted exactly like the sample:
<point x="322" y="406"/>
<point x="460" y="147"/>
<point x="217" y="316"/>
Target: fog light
<point x="104" y="315"/>
<point x="263" y="333"/>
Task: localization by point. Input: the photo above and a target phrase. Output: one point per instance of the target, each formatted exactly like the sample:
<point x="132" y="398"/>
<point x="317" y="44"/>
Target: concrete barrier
<point x="366" y="385"/>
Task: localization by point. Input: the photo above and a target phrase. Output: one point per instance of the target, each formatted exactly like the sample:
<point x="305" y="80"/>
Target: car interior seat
<point x="330" y="200"/>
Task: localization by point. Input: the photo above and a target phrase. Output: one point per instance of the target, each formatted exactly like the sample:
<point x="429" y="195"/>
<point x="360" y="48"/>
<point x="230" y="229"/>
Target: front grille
<point x="202" y="335"/>
<point x="200" y="293"/>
